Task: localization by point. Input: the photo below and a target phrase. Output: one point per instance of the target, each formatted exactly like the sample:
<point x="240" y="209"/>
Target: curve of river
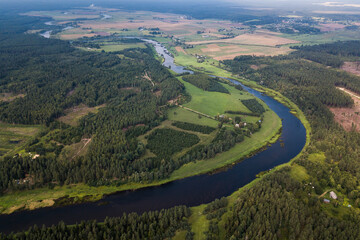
<point x="190" y="191"/>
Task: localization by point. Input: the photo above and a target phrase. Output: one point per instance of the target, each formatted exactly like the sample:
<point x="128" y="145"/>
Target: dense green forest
<point x="254" y="106"/>
<point x="166" y="142"/>
<point x="149" y="225"/>
<point x="205" y="82"/>
<point x="330" y="54"/>
<point x="54" y="76"/>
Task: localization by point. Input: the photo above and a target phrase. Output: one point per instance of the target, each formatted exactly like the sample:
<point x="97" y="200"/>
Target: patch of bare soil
<point x="8" y="97"/>
<point x="180" y="50"/>
<point x="329" y="27"/>
<point x="351" y="67"/>
<point x="348" y="118"/>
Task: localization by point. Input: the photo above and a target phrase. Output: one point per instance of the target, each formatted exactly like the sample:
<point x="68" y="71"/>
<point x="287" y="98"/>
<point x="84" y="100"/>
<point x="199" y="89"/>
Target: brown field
<point x="180" y="50"/>
<point x="351" y="67"/>
<point x="8" y="97"/>
<point x="74" y="114"/>
<point x="338" y="12"/>
<point x="348" y="117"/>
<point x="230" y="52"/>
<point x="262" y="39"/>
<point x="329" y="27"/>
<point x="74" y="150"/>
<point x="76" y="36"/>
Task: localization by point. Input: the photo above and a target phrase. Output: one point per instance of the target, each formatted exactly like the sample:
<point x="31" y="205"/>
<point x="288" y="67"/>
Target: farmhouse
<point x="333" y="195"/>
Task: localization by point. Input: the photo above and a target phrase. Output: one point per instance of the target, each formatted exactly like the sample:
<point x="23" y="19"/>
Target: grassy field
<point x="119" y="47"/>
<point x="215" y="103"/>
<point x="182" y="115"/>
<point x="13" y="137"/>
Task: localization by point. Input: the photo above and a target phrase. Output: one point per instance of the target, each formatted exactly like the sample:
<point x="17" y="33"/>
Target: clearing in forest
<point x="348" y="118"/>
<point x="74" y="114"/>
<point x="351" y="67"/>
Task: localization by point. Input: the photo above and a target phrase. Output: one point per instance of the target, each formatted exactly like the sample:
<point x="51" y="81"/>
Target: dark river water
<point x="191" y="191"/>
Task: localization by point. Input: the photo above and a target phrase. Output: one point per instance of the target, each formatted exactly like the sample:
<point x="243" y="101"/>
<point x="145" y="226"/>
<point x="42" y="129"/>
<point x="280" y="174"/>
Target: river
<point x="190" y="191"/>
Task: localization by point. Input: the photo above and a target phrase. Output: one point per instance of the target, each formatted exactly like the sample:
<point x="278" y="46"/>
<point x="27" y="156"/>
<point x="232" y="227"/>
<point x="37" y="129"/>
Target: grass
<point x="199" y="223"/>
<point x="215" y="103"/>
<point x="299" y="173"/>
<point x="182" y="115"/>
<point x="14" y="137"/>
<point x="120" y="47"/>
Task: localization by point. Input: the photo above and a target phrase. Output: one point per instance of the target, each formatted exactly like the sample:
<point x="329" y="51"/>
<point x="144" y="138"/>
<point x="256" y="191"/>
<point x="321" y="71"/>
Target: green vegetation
<point x="14" y="137"/>
<point x="269" y="129"/>
<point x="215" y="103"/>
<point x="194" y="127"/>
<point x="183" y="115"/>
<point x="166" y="142"/>
<point x="253" y="105"/>
<point x="150" y="225"/>
<point x="205" y="82"/>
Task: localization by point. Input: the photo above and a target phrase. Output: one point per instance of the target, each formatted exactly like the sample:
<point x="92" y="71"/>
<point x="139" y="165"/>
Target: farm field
<point x="230" y="51"/>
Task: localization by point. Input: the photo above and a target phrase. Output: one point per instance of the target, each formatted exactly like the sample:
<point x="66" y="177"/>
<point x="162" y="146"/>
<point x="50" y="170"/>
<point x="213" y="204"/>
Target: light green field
<point x="120" y="47"/>
<point x="183" y="115"/>
<point x="215" y="103"/>
<point x="13" y="137"/>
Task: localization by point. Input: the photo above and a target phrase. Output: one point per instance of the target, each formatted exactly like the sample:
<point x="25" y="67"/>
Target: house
<point x="237" y="125"/>
<point x="326" y="200"/>
<point x="333" y="195"/>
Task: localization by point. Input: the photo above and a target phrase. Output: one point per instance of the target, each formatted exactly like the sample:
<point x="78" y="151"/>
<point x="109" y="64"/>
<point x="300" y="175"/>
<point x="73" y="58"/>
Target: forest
<point x="159" y="225"/>
<point x="205" y="82"/>
<point x="330" y="54"/>
<point x="166" y="142"/>
<point x="53" y="76"/>
<point x="254" y="106"/>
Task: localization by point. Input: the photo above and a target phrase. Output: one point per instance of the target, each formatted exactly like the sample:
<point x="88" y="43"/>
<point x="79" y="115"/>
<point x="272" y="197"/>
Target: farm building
<point x="333" y="195"/>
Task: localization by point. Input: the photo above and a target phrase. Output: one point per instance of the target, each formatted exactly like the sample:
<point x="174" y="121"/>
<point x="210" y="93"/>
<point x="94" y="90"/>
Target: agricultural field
<point x="13" y="137"/>
<point x="230" y="51"/>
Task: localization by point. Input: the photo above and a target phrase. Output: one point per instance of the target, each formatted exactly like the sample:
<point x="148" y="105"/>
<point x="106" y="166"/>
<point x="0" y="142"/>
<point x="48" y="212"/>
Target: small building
<point x="237" y="125"/>
<point x="333" y="195"/>
<point x="326" y="200"/>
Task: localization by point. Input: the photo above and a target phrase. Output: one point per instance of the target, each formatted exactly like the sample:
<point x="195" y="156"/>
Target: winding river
<point x="191" y="191"/>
